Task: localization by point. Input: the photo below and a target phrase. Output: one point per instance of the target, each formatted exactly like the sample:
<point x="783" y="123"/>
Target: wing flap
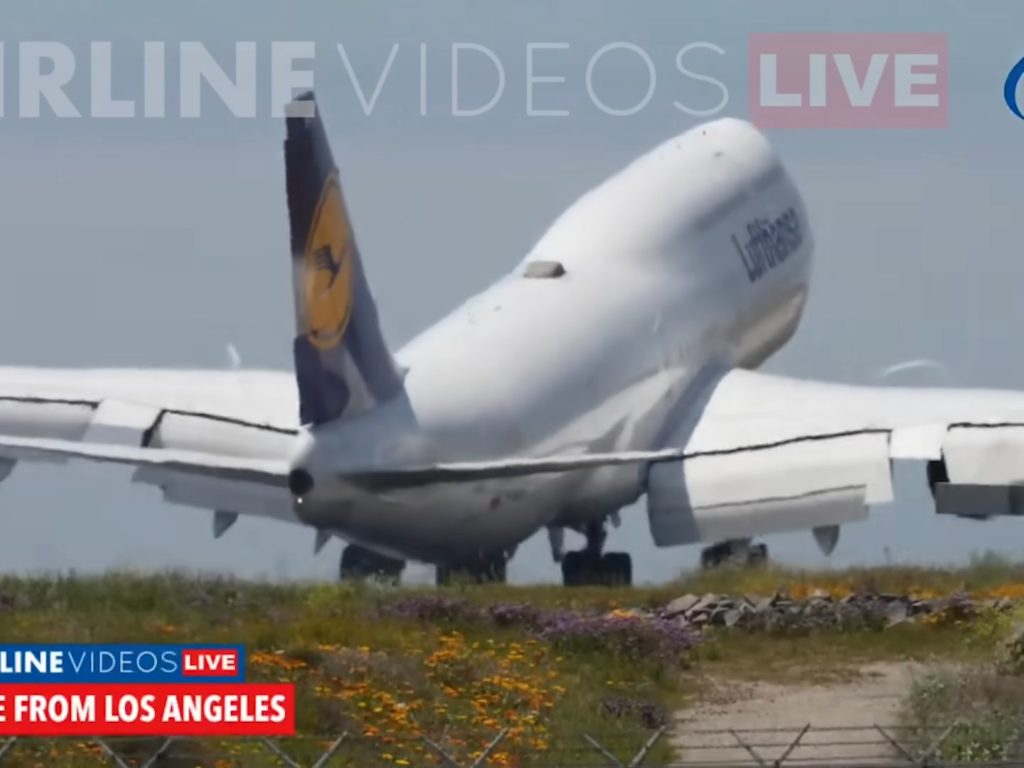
<point x="985" y="454"/>
<point x="757" y="490"/>
<point x="259" y="471"/>
<point x="120" y="422"/>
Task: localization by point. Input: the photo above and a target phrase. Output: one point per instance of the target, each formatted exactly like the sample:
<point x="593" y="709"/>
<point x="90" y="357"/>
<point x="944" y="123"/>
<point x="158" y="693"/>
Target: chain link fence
<point x="875" y="746"/>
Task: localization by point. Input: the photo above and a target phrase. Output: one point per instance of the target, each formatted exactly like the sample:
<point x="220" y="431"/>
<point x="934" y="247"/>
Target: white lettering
<point x="770" y="96"/>
<point x="285" y="80"/>
<point x="701" y="78"/>
<point x="198" y="65"/>
<point x="651" y="72"/>
<point x="368" y="105"/>
<point x="457" y="111"/>
<point x="531" y="78"/>
<point x="33" y="85"/>
<point x="102" y="83"/>
<point x="861" y="94"/>
<point x="907" y="78"/>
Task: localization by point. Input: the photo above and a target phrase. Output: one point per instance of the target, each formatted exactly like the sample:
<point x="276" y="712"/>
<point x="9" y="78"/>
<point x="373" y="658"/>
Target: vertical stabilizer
<point x="342" y="363"/>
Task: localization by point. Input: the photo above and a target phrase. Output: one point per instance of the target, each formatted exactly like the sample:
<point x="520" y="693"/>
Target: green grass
<point x="389" y="680"/>
<point x="984" y="573"/>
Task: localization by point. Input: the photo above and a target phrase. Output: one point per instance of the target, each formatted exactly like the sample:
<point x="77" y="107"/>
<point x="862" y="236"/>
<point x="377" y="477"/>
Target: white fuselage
<point x="694" y="258"/>
<point x="606" y="357"/>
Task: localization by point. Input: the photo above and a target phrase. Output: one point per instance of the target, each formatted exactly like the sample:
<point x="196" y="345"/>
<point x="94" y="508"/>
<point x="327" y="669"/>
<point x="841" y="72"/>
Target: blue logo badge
<point x="1010" y="88"/>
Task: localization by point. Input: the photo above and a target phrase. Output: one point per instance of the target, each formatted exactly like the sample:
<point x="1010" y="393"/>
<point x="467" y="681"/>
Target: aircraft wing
<point x="764" y="454"/>
<point x="225" y="484"/>
<point x="266" y="472"/>
<point x="216" y="440"/>
<point x="760" y="454"/>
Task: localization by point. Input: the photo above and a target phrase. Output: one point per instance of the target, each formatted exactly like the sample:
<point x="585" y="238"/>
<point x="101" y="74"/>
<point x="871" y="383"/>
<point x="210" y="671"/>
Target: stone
<point x="731" y="617"/>
<point x="896" y="613"/>
<point x="706" y="603"/>
<point x="681" y="605"/>
<point x="919" y="608"/>
<point x="763" y="605"/>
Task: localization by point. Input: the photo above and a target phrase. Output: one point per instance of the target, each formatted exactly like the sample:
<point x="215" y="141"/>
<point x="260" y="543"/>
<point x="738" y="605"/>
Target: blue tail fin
<point x="342" y="363"/>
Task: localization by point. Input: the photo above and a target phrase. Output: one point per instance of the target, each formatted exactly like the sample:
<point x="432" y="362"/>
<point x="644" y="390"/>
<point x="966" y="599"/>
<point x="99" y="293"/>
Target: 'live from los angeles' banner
<point x="124" y="689"/>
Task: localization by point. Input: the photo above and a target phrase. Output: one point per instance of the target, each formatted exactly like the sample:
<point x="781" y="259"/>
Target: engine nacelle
<point x="978" y="501"/>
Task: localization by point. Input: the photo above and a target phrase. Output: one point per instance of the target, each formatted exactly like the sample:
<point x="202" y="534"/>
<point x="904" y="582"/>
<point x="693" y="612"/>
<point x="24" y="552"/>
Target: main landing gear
<point x="589" y="567"/>
<point x="736" y="551"/>
<point x="359" y="563"/>
<point x="487" y="568"/>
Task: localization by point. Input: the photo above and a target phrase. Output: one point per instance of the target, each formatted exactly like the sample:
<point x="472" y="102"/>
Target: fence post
<point x="610" y="757"/>
<point x="490" y="748"/>
<point x="158" y="754"/>
<point x="440" y="750"/>
<point x="789" y="750"/>
<point x="935" y="745"/>
<point x="7" y="747"/>
<point x="112" y="754"/>
<point x="281" y="754"/>
<point x="330" y="752"/>
<point x="638" y="758"/>
<point x="896" y="745"/>
<point x="750" y="750"/>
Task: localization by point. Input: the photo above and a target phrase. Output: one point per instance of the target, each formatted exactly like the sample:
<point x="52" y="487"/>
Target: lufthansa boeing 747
<point x="614" y="363"/>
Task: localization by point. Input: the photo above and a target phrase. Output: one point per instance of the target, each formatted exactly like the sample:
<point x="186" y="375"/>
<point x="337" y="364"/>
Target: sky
<point x="158" y="242"/>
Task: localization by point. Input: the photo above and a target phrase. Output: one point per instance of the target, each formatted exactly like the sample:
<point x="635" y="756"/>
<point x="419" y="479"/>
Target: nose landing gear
<point x="589" y="567"/>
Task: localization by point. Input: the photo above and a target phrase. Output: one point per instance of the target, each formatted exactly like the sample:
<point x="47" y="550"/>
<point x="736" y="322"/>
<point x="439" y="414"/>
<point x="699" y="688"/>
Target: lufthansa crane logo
<point x="327" y="270"/>
<point x="1010" y="88"/>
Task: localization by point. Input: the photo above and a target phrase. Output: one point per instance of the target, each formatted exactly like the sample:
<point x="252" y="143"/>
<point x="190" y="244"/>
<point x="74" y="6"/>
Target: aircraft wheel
<point x="740" y="553"/>
<point x="583" y="568"/>
<point x="359" y="563"/>
<point x="491" y="570"/>
<point x="758" y="555"/>
<point x="714" y="556"/>
<point x="618" y="568"/>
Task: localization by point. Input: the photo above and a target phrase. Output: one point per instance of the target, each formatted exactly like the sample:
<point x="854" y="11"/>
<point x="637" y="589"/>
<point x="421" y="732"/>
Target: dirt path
<point x="768" y="717"/>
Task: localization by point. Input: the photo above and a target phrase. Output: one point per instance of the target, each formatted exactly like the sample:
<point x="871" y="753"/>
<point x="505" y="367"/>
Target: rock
<point x="681" y="605"/>
<point x="895" y="613"/>
<point x="706" y="603"/>
<point x="763" y="605"/>
<point x="731" y="617"/>
<point x="919" y="607"/>
<point x="997" y="603"/>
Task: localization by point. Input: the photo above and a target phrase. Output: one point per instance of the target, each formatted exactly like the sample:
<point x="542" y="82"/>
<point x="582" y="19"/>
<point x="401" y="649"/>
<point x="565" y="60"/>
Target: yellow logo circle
<point x="328" y="270"/>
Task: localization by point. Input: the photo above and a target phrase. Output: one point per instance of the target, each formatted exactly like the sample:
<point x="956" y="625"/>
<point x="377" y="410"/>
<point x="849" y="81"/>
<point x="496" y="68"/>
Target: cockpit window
<point x="544" y="269"/>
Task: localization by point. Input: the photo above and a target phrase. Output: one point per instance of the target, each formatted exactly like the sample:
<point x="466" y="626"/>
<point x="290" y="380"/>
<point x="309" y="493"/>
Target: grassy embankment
<point x="391" y="666"/>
